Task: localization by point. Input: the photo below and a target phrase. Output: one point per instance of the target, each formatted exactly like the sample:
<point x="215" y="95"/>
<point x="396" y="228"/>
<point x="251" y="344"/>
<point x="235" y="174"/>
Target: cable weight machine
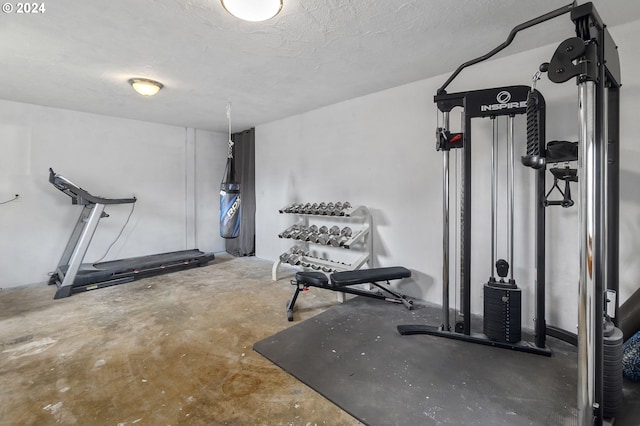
<point x="592" y="59"/>
<point x="508" y="101"/>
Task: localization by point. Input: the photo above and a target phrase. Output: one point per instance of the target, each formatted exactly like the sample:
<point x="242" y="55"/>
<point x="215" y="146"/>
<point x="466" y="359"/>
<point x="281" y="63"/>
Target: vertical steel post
<point x="494" y="194"/>
<point x="540" y="229"/>
<point x="465" y="226"/>
<point x="603" y="174"/>
<point x="589" y="245"/>
<point x="445" y="234"/>
<point x="511" y="193"/>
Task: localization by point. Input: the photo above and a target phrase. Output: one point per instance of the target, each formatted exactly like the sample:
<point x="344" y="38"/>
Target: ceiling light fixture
<point x="145" y="87"/>
<point x="253" y="10"/>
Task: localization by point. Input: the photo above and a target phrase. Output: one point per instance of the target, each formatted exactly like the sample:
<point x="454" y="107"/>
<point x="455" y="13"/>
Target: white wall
<point x="379" y="150"/>
<point x="174" y="172"/>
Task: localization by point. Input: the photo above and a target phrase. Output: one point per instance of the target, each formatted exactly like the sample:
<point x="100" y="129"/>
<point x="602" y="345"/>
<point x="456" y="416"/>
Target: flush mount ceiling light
<point x="253" y="10"/>
<point x="145" y="87"/>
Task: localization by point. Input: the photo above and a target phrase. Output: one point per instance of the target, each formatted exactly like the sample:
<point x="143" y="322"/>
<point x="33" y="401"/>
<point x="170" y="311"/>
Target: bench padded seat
<point x="312" y="278"/>
<point x="341" y="282"/>
<point x="361" y="276"/>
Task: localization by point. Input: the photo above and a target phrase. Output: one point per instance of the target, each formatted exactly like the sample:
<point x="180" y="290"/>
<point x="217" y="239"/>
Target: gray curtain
<point x="244" y="155"/>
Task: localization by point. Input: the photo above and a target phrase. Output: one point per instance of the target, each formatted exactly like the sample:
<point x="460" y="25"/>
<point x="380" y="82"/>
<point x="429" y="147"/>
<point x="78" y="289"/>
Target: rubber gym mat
<point x="353" y="355"/>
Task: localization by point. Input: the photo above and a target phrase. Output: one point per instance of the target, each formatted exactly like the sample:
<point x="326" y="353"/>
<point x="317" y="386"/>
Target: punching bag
<point x="230" y="208"/>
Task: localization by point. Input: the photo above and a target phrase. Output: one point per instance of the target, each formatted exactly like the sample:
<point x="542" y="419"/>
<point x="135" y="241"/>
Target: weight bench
<point x="341" y="282"/>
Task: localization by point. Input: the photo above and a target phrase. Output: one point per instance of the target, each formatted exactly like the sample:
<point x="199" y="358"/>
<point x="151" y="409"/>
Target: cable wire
<point x="11" y="200"/>
<point x="133" y="206"/>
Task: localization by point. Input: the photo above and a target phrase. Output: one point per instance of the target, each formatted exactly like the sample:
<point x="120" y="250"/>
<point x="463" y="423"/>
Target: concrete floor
<point x="169" y="350"/>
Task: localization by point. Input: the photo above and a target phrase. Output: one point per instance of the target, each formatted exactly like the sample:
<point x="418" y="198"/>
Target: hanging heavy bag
<point x="230" y="204"/>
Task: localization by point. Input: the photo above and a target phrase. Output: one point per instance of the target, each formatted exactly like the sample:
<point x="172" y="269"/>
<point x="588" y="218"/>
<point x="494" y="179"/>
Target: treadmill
<point x="72" y="276"/>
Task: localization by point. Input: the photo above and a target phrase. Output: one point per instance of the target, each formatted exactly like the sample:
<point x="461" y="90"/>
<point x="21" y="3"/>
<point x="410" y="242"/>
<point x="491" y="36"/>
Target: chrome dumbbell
<point x="289" y="208"/>
<point x="323" y="238"/>
<point x="323" y="267"/>
<point x="308" y="232"/>
<point x="305" y="208"/>
<point x="296" y="256"/>
<point x="285" y="209"/>
<point x="290" y="230"/>
<point x="284" y="257"/>
<point x="335" y="211"/>
<point x="300" y="251"/>
<point x="310" y="208"/>
<point x="346" y="206"/>
<point x="298" y="232"/>
<point x="293" y="256"/>
<point x="334" y="236"/>
<point x="320" y="209"/>
<point x="303" y="236"/>
<point x="329" y="209"/>
<point x="339" y="240"/>
<point x="325" y="235"/>
<point x="340" y="209"/>
<point x="315" y="237"/>
<point x="292" y="208"/>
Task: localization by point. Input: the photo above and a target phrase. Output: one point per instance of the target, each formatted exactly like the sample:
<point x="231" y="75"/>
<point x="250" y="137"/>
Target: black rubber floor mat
<point x="353" y="355"/>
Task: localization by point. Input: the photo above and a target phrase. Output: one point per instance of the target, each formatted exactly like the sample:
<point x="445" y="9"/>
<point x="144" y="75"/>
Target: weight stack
<point x="502" y="312"/>
<point x="612" y="340"/>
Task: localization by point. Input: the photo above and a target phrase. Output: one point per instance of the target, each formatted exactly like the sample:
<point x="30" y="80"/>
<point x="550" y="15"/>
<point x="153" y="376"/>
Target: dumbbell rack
<point x="358" y="216"/>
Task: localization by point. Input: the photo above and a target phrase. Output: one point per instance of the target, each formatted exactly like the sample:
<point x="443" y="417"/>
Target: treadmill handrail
<point x="79" y="195"/>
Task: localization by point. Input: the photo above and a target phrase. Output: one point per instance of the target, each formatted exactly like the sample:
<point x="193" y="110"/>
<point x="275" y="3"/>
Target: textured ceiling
<point x="79" y="55"/>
